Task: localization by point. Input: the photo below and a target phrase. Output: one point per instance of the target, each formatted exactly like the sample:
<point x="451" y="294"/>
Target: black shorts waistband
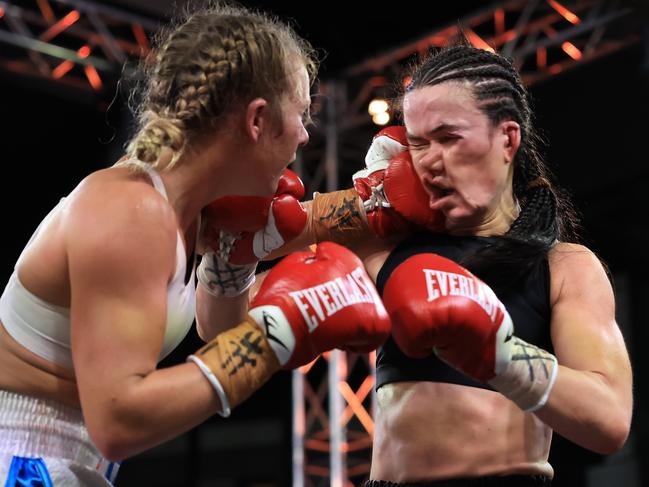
<point x="491" y="481"/>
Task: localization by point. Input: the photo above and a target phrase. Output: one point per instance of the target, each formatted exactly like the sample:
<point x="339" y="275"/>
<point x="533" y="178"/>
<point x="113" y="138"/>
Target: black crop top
<point x="528" y="305"/>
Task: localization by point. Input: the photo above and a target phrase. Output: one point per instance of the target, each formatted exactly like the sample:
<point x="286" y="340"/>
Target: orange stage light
<point x="356" y="406"/>
<point x="317" y="445"/>
<point x="60" y="26"/>
<point x="46" y="11"/>
<point x="318" y="471"/>
<point x="571" y="50"/>
<point x="478" y="41"/>
<point x="84" y="51"/>
<point x="564" y="12"/>
<point x="541" y="57"/>
<point x="140" y="36"/>
<point x="361" y="394"/>
<point x="499" y="20"/>
<point x="62" y="69"/>
<point x="93" y="77"/>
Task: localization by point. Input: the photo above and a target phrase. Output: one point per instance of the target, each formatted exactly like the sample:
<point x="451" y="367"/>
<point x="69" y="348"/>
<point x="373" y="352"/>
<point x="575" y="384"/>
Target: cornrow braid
<point x="210" y="62"/>
<point x="501" y="95"/>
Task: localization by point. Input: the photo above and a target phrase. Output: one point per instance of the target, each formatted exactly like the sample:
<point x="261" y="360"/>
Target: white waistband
<point x="34" y="427"/>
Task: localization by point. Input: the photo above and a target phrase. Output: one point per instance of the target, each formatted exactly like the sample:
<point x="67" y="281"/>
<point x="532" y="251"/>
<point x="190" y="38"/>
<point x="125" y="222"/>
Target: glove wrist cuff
<point x="339" y="217"/>
<point x="216" y="384"/>
<point x="529" y="376"/>
<point x="237" y="363"/>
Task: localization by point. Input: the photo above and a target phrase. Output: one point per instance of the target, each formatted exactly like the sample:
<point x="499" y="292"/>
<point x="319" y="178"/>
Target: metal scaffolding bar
<point x="519" y="29"/>
<point x="54" y="39"/>
<point x="333" y="402"/>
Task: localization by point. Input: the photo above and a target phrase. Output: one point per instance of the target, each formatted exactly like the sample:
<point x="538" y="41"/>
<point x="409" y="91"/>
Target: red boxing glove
<point x="437" y="305"/>
<point x="312" y="302"/>
<point x="393" y="197"/>
<point x="244" y="229"/>
<point x="290" y="183"/>
<point x="309" y="303"/>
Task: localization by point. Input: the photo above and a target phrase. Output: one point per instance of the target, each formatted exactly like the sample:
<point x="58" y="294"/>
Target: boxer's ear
<point x="256" y="120"/>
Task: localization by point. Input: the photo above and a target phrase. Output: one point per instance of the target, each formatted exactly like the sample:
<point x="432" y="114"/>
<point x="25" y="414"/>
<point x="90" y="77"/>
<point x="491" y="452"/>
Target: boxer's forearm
<point x="589" y="410"/>
<point x="214" y="315"/>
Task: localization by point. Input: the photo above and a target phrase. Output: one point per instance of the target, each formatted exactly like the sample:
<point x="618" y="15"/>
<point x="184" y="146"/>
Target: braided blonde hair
<point x="211" y="61"/>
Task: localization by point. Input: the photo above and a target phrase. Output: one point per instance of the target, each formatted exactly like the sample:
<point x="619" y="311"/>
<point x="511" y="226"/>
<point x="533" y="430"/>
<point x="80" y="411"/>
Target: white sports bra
<point x="44" y="328"/>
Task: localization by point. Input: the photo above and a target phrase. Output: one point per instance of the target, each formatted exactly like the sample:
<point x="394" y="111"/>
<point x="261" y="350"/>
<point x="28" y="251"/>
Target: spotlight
<point x="377" y="105"/>
<point x="381" y="118"/>
<point x="379" y="110"/>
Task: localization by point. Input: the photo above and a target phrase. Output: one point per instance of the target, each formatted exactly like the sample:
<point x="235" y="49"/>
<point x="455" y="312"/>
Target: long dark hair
<point x="546" y="213"/>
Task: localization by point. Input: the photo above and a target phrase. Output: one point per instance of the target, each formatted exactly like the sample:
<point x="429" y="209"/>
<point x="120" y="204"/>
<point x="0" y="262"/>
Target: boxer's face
<point x="460" y="157"/>
<point x="291" y="132"/>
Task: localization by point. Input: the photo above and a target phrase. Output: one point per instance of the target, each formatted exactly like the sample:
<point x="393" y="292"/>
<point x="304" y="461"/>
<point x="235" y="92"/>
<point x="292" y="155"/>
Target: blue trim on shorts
<point x="111" y="471"/>
<point x="28" y="472"/>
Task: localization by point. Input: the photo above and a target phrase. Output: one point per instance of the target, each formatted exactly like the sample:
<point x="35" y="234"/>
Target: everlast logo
<point x="440" y="283"/>
<point x="321" y="301"/>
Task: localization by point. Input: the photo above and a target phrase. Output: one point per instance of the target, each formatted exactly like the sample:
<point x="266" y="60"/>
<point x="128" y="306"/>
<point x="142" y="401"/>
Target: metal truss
<point x="76" y="44"/>
<point x="332" y="433"/>
<point x="544" y="39"/>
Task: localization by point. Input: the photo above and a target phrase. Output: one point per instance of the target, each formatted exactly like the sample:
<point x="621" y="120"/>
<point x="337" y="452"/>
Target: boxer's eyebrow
<point x="442" y="127"/>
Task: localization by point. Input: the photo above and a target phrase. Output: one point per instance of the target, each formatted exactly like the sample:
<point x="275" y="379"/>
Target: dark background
<point x="596" y="121"/>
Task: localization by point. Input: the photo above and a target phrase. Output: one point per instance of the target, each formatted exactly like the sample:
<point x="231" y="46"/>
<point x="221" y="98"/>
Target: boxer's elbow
<point x="614" y="434"/>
